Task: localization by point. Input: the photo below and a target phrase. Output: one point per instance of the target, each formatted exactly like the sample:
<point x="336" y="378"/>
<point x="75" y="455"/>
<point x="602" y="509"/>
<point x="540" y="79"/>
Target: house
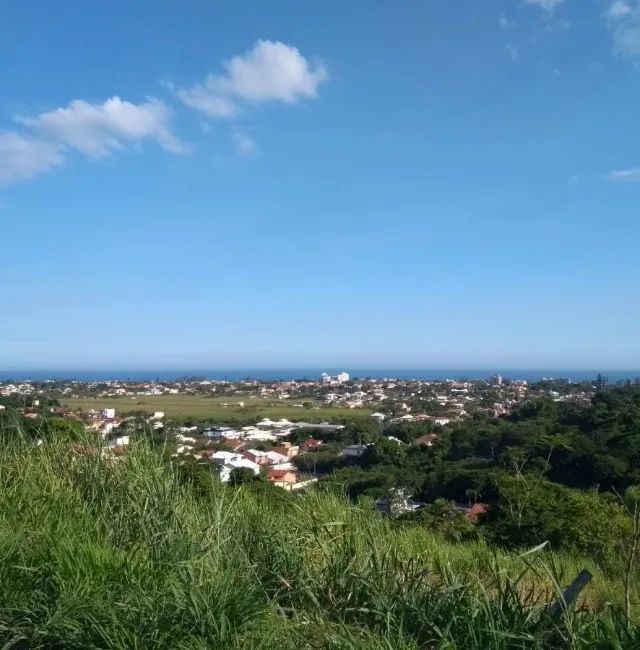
<point x="397" y="503"/>
<point x="282" y="478"/>
<point x="257" y="434"/>
<point x="276" y="458"/>
<point x="108" y="427"/>
<point x="354" y="451"/>
<point x="108" y="414"/>
<point x="256" y="456"/>
<point x="287" y="449"/>
<point x="222" y="457"/>
<point x="378" y="416"/>
<point x="311" y="444"/>
<point x="284" y="466"/>
<point x="184" y="449"/>
<point x="320" y="426"/>
<point x="240" y="463"/>
<point x="158" y="415"/>
<point x="475" y="512"/>
<point x="120" y="441"/>
<point x="425" y="441"/>
<point x="233" y="443"/>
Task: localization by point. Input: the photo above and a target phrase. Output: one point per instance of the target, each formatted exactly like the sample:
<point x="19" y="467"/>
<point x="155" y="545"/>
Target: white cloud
<point x="270" y="72"/>
<point x="244" y="144"/>
<point x="512" y="51"/>
<point x="547" y="5"/>
<point x="623" y="19"/>
<point x="619" y="9"/>
<point x="22" y="158"/>
<point x="631" y="175"/>
<point x="503" y="21"/>
<point x="97" y="130"/>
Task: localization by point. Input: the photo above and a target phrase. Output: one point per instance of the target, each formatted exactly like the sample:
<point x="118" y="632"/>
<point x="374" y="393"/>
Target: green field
<point x="199" y="406"/>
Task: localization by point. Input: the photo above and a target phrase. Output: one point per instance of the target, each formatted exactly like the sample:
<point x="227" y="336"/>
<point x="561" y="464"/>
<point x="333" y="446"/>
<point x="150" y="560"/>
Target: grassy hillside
<point x="125" y="554"/>
<point x="199" y="406"/>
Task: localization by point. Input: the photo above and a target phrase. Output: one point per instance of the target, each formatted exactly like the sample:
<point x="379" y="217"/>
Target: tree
<point x="242" y="476"/>
<point x="446" y="518"/>
<point x="383" y="452"/>
<point x="531" y="510"/>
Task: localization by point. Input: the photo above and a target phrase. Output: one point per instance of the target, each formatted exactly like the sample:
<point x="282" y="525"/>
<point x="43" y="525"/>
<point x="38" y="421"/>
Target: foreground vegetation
<point x="129" y="553"/>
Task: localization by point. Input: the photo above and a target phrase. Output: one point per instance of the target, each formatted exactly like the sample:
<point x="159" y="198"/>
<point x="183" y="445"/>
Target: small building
<point x="476" y="512"/>
<point x="426" y="440"/>
<point x="354" y="451"/>
<point x="287" y="449"/>
<point x="311" y="444"/>
<point x="283" y="478"/>
<point x="120" y="441"/>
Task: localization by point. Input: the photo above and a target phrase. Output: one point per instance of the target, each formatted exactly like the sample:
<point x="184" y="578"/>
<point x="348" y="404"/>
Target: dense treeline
<point x="554" y="471"/>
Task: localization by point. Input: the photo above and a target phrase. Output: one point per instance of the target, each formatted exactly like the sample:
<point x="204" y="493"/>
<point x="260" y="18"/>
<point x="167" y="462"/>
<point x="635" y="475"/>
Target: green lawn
<point x="198" y="406"/>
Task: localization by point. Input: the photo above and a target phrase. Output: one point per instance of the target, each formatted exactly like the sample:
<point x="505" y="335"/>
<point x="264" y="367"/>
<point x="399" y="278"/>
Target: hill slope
<point x="125" y="554"/>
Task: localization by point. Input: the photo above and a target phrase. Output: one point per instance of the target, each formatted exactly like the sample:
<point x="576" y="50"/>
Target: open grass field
<point x="199" y="406"/>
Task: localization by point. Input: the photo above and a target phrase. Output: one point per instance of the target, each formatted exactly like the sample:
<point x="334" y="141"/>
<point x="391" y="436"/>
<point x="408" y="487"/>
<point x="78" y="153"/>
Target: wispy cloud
<point x="243" y="142"/>
<point x="95" y="130"/>
<point x="630" y="175"/>
<point x="270" y="72"/>
<point x="98" y="130"/>
<point x="503" y="21"/>
<point x="623" y="20"/>
<point x="619" y="9"/>
<point x="22" y="158"/>
<point x="547" y="5"/>
<point x="512" y="51"/>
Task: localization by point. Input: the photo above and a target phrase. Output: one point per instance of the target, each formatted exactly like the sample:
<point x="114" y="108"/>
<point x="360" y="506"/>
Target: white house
<point x="120" y="441"/>
<point x="227" y="468"/>
<point x="108" y="414"/>
<point x="184" y="449"/>
<point x="182" y="438"/>
<point x="224" y="457"/>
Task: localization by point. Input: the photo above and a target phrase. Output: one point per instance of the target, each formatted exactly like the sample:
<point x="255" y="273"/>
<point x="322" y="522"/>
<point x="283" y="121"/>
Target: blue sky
<point x="408" y="184"/>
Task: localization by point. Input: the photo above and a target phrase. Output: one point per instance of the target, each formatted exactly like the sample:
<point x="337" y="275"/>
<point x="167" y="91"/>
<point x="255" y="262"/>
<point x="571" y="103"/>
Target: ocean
<point x="276" y="374"/>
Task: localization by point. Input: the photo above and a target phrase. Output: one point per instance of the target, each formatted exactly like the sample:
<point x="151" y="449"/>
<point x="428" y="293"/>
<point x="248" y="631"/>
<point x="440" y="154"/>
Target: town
<point x="231" y="430"/>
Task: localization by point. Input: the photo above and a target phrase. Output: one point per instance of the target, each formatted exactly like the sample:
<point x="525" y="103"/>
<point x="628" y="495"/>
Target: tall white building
<point x="342" y="377"/>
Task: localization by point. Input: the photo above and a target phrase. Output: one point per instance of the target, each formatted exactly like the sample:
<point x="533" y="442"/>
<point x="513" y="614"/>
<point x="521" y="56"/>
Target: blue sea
<point x="276" y="374"/>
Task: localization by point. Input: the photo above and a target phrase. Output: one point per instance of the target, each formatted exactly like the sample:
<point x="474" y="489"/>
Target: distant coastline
<point x="287" y="374"/>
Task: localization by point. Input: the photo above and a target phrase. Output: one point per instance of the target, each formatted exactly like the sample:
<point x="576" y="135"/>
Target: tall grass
<point x="118" y="554"/>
